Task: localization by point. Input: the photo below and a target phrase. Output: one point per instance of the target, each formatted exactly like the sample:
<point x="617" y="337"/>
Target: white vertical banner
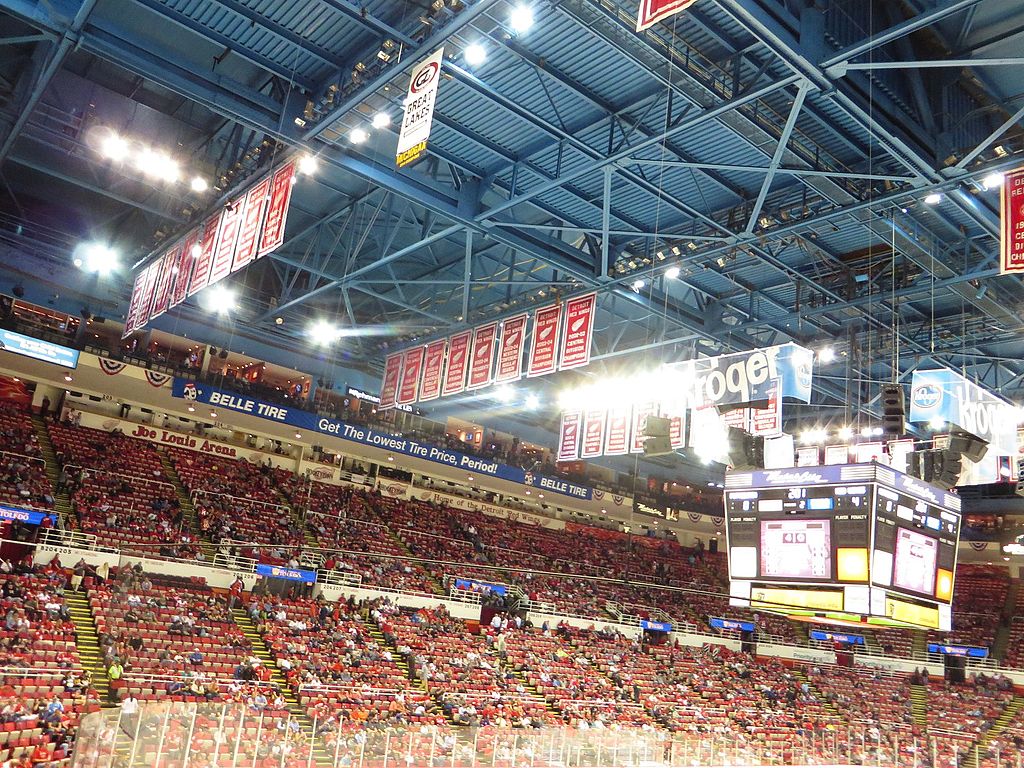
<point x="419" y="109"/>
<point x="569" y="436"/>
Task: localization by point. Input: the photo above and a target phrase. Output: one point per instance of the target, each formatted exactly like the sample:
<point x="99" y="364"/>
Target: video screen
<point x="796" y="549"/>
<point x="916" y="557"/>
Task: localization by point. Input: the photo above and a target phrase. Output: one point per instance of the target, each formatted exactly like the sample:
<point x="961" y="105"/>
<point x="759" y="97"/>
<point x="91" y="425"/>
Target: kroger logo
<point x="927" y="396"/>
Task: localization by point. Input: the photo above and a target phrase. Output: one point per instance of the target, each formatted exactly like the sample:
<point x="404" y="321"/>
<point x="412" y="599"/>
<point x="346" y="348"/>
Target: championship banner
<point x="677" y="432"/>
<point x="593" y="434"/>
<point x="389" y="385"/>
<point x="277" y="209"/>
<point x="1011" y="247"/>
<point x="510" y="349"/>
<point x="483" y="356"/>
<point x="544" y="350"/>
<point x="569" y="436"/>
<point x="230" y="226"/>
<point x="412" y="364"/>
<point x="132" y="318"/>
<point x="640" y="413"/>
<point x="458" y="363"/>
<point x="737" y="417"/>
<point x="579" y="331"/>
<point x="616" y="440"/>
<point x="168" y="270"/>
<point x="653" y="11"/>
<point x="252" y="220"/>
<point x="767" y="422"/>
<point x="419" y="110"/>
<point x="185" y="266"/>
<point x="207" y="244"/>
<point x="146" y="300"/>
<point x="433" y="362"/>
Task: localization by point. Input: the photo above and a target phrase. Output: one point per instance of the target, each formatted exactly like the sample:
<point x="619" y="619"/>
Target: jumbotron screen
<point x="848" y="541"/>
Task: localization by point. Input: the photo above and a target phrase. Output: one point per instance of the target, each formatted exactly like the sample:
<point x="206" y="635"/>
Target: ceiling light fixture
<point x="521" y="19"/>
<point x="475" y="54"/>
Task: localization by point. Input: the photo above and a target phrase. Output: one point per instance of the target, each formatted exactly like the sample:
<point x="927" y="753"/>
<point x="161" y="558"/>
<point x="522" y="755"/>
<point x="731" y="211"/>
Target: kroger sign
<point x="747" y="377"/>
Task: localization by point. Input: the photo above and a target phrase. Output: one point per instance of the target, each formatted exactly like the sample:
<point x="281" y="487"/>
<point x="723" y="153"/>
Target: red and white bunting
<point x="510" y="349"/>
<point x="252" y="222"/>
<point x="168" y="269"/>
<point x="640" y="413"/>
<point x="483" y="356"/>
<point x="458" y="363"/>
<point x="186" y="264"/>
<point x="207" y="245"/>
<point x="616" y="441"/>
<point x="1011" y="247"/>
<point x="389" y="384"/>
<point x="767" y="422"/>
<point x="579" y="331"/>
<point x="593" y="434"/>
<point x="277" y="209"/>
<point x="433" y="365"/>
<point x="547" y="323"/>
<point x="653" y="11"/>
<point x="569" y="436"/>
<point x="412" y="365"/>
<point x="227" y="240"/>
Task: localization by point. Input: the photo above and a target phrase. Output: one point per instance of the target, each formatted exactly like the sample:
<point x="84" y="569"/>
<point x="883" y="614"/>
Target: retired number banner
<point x="640" y="413"/>
<point x="544" y="351"/>
<point x="510" y="349"/>
<point x="433" y="363"/>
<point x="185" y="265"/>
<point x="207" y="244"/>
<point x="616" y="441"/>
<point x="277" y="209"/>
<point x="579" y="331"/>
<point x="168" y="269"/>
<point x="252" y="221"/>
<point x="483" y="356"/>
<point x="593" y="434"/>
<point x="230" y="226"/>
<point x="389" y="386"/>
<point x="1011" y="247"/>
<point x="653" y="11"/>
<point x="569" y="436"/>
<point x="458" y="362"/>
<point x="412" y="364"/>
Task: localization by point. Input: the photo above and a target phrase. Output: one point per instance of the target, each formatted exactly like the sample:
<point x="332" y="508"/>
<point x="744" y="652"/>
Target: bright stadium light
<point x="358" y="136"/>
<point x="475" y="54"/>
<point x="220" y="299"/>
<point x="307" y="165"/>
<point x="97" y="258"/>
<point x="381" y="120"/>
<point x="845" y="433"/>
<point x="992" y="181"/>
<point x="521" y="19"/>
<point x="114" y="147"/>
<point x="505" y="394"/>
<point x="672" y="273"/>
<point x="826" y="355"/>
<point x="937" y="423"/>
<point x="933" y="199"/>
<point x="199" y="184"/>
<point x="324" y="333"/>
<point x="638" y="285"/>
<point x="532" y="402"/>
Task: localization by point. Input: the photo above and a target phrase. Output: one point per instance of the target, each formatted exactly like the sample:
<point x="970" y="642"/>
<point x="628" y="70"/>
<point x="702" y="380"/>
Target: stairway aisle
<point x="374" y="631"/>
<point x="971" y="758"/>
<point x="88" y="642"/>
<point x="919" y="704"/>
<point x="188" y="511"/>
<point x="1002" y="638"/>
<point x="321" y="756"/>
<point x="919" y="644"/>
<point x="61" y="500"/>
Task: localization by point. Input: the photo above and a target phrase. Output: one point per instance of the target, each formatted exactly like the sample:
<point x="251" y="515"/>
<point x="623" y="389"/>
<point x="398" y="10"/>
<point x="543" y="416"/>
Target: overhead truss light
<point x="992" y="181"/>
<point x="114" y="147"/>
<point x="308" y="165"/>
<point x="381" y="120"/>
<point x="826" y="355"/>
<point x="199" y="184"/>
<point x="358" y="136"/>
<point x="220" y="299"/>
<point x="96" y="258"/>
<point x="324" y="333"/>
<point x="475" y="54"/>
<point x="521" y="18"/>
<point x="934" y="198"/>
<point x="672" y="273"/>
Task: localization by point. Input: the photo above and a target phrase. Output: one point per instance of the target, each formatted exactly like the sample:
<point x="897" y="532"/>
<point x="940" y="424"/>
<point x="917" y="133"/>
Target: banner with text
<point x="616" y="440"/>
<point x="419" y="109"/>
<point x="433" y="364"/>
<point x="569" y="436"/>
<point x="547" y="323"/>
<point x="412" y="363"/>
<point x="579" y="331"/>
<point x="593" y="434"/>
<point x="483" y="356"/>
<point x="458" y="363"/>
<point x="1011" y="247"/>
<point x="510" y="349"/>
<point x="392" y="376"/>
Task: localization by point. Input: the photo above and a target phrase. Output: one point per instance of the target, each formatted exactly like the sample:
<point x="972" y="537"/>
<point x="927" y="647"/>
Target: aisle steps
<point x="919" y="704"/>
<point x="188" y="511"/>
<point x="971" y="758"/>
<point x="321" y="757"/>
<point x="61" y="500"/>
<point x="88" y="642"/>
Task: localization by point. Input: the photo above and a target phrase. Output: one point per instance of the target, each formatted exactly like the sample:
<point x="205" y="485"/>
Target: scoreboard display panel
<point x="857" y="541"/>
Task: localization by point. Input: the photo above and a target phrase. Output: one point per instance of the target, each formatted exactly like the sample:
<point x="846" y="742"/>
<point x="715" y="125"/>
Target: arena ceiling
<point x="779" y="152"/>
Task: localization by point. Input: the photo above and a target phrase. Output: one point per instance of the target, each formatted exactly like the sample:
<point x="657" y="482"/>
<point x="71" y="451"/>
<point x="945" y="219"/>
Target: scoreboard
<point x="858" y="542"/>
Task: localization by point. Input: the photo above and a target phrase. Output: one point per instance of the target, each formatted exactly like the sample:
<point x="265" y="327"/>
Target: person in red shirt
<point x="42" y="754"/>
<point x="236" y="592"/>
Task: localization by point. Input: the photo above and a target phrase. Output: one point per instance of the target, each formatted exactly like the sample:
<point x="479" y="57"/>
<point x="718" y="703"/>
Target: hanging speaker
<point x="973" y="448"/>
<point x="893" y="410"/>
<point x="745" y="450"/>
<point x="657" y="446"/>
<point x="657" y="426"/>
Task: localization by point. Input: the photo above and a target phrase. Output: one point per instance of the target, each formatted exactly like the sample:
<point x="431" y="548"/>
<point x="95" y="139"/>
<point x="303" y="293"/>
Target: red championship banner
<point x="131" y="321"/>
<point x="737" y="417"/>
<point x="433" y="363"/>
<point x="653" y="11"/>
<point x="252" y="221"/>
<point x="569" y="436"/>
<point x="640" y="413"/>
<point x="162" y="292"/>
<point x="185" y="266"/>
<point x="767" y="422"/>
<point x="616" y="439"/>
<point x="510" y="349"/>
<point x="230" y="226"/>
<point x="148" y="289"/>
<point x="389" y="385"/>
<point x="544" y="351"/>
<point x="483" y="356"/>
<point x="277" y="209"/>
<point x="412" y="365"/>
<point x="1011" y="247"/>
<point x="593" y="434"/>
<point x="579" y="331"/>
<point x="458" y="363"/>
<point x="207" y="244"/>
<point x="677" y="431"/>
